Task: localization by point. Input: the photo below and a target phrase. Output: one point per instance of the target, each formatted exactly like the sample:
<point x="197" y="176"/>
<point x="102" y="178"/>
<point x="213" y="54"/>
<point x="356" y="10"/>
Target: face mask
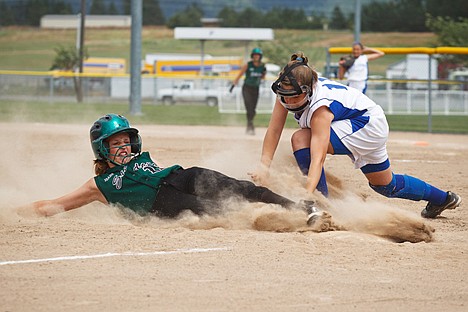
<point x="296" y="90"/>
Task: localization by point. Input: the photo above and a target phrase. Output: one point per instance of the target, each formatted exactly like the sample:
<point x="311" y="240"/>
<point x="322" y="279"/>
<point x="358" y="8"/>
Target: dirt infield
<point x="254" y="258"/>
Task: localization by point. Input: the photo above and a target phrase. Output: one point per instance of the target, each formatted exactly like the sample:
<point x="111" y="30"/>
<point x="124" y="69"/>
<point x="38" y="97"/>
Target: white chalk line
<point x="116" y="254"/>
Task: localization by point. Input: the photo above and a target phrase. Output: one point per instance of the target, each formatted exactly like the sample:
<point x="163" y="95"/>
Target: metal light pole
<point x="357" y="21"/>
<point x="78" y="81"/>
<point x="135" y="58"/>
<point x="82" y="30"/>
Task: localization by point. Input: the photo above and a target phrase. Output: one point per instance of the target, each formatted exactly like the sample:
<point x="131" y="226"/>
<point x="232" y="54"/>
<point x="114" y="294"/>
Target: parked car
<point x="187" y="92"/>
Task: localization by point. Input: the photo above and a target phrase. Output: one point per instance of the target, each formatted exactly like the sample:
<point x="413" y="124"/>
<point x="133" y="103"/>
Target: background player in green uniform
<point x="254" y="72"/>
<point x="127" y="177"/>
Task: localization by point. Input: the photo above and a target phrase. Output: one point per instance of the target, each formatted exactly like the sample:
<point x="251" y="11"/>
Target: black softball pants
<point x="203" y="190"/>
<point x="250" y="95"/>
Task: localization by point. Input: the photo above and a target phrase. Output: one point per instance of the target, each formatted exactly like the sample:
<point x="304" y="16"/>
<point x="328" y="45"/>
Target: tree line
<point x="29" y="12"/>
<point x="378" y="16"/>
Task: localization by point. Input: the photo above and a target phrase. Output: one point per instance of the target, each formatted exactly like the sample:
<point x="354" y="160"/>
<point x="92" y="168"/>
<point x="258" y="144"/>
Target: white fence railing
<point x="403" y="102"/>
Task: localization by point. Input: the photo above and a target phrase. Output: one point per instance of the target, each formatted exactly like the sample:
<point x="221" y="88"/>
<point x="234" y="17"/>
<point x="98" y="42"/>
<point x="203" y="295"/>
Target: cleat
<point x="431" y="211"/>
<point x="313" y="217"/>
<point x="313" y="213"/>
<point x="308" y="206"/>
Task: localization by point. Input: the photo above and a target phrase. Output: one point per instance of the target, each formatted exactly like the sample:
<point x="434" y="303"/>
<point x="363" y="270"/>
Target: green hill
<point x="33" y="48"/>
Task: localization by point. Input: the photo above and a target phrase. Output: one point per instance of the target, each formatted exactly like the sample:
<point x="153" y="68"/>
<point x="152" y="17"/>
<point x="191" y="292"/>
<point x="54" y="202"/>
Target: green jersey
<point x="254" y="74"/>
<point x="134" y="185"/>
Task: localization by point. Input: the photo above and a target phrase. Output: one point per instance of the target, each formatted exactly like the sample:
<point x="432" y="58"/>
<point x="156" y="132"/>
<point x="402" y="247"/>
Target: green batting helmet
<point x="105" y="127"/>
<point x="256" y="51"/>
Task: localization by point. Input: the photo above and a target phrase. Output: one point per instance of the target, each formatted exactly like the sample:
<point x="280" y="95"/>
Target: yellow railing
<point x="409" y="50"/>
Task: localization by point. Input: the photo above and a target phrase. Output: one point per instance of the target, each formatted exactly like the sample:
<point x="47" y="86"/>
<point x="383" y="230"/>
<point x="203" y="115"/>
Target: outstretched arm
<point x="372" y="54"/>
<point x="319" y="145"/>
<point x="241" y="73"/>
<point x="270" y="143"/>
<point x="86" y="194"/>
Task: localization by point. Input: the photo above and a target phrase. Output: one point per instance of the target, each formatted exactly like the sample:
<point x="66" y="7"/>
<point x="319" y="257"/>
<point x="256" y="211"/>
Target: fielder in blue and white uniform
<point x="337" y="119"/>
<point x="358" y="73"/>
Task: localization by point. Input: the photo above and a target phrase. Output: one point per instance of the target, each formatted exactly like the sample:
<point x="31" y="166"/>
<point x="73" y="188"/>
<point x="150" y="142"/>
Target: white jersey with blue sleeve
<point x="357" y="74"/>
<point x="358" y="123"/>
<point x="360" y="69"/>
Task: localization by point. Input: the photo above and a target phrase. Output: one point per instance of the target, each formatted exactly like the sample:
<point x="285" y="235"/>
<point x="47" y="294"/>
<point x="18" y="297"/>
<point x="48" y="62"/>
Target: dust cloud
<point x="47" y="161"/>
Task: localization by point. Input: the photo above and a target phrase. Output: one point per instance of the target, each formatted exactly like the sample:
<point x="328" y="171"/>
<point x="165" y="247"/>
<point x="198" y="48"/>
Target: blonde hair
<point x="304" y="75"/>
<point x="100" y="166"/>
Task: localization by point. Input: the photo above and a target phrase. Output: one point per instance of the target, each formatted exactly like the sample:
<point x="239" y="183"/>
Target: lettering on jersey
<point x="253" y="73"/>
<point x="108" y="177"/>
<point x="118" y="178"/>
<point x="147" y="166"/>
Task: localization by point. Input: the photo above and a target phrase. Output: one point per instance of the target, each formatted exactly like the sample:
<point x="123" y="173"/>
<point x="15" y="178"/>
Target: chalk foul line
<point x="116" y="254"/>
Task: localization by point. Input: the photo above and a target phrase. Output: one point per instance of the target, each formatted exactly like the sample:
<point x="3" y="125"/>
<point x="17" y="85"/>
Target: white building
<point x="414" y="67"/>
<point x="73" y="21"/>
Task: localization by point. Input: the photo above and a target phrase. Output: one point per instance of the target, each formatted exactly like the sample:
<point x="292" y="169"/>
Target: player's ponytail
<point x="299" y="57"/>
<point x="100" y="166"/>
<point x="304" y="75"/>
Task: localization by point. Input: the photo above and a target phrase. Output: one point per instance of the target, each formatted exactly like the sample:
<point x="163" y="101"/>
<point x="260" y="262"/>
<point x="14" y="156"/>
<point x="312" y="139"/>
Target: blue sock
<point x="408" y="187"/>
<point x="303" y="161"/>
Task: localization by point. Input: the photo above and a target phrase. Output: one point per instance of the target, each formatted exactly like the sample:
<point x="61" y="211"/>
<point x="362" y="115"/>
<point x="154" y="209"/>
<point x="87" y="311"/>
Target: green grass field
<point x="41" y="112"/>
<point x="30" y="48"/>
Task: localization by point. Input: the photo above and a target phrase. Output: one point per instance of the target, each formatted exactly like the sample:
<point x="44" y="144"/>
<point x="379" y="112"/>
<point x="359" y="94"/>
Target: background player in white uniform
<point x="357" y="74"/>
<point x="337" y="119"/>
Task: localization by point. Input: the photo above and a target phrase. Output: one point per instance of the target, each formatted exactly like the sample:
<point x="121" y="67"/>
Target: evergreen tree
<point x="98" y="8"/>
<point x="338" y="20"/>
<point x="190" y="17"/>
<point x="271" y="18"/>
<point x="316" y="21"/>
<point x="412" y="16"/>
<point x="6" y="15"/>
<point x="152" y="13"/>
<point x="127" y="7"/>
<point x="112" y="10"/>
<point x="250" y="17"/>
<point x="60" y="7"/>
<point x="452" y="9"/>
<point x="229" y="17"/>
<point x="294" y="19"/>
<point x="379" y="16"/>
<point x="35" y="9"/>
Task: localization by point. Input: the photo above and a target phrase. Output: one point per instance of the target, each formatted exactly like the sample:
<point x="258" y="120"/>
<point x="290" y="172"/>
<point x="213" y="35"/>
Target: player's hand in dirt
<point x="29" y="211"/>
<point x="260" y="176"/>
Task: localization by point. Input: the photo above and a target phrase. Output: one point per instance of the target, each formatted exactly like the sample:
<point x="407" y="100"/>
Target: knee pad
<point x="385" y="190"/>
<point x="403" y="186"/>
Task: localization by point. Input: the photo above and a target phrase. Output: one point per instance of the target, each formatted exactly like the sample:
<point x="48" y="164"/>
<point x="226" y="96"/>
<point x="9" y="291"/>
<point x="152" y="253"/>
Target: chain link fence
<point x="52" y="88"/>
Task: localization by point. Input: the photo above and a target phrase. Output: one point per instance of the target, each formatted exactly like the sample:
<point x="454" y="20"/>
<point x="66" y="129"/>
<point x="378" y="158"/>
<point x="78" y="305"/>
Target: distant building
<point x="211" y="21"/>
<point x="73" y="21"/>
<point x="413" y="67"/>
